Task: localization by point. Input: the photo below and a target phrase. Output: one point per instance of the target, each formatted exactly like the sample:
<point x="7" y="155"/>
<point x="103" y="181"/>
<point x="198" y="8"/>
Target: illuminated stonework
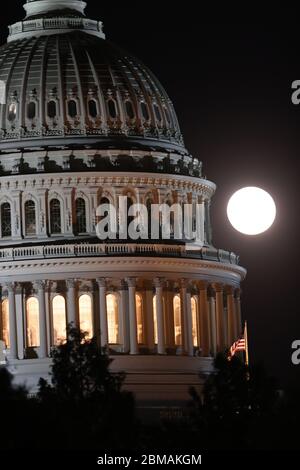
<point x="84" y="123"/>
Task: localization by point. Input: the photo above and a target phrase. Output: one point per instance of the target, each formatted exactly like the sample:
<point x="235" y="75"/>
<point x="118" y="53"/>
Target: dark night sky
<point x="229" y="74"/>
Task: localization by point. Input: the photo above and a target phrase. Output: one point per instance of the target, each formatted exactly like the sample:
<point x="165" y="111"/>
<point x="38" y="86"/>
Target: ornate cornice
<point x="71" y="180"/>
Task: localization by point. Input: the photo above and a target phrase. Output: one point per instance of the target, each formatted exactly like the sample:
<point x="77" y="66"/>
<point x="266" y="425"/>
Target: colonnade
<point x="153" y="316"/>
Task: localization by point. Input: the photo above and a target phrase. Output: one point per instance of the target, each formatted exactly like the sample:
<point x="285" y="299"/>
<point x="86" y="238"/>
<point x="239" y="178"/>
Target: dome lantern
<point x="48" y="17"/>
<point x="41" y="7"/>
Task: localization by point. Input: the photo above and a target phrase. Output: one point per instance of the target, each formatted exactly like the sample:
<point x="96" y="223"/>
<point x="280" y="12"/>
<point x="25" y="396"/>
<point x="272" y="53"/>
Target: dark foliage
<point x="83" y="408"/>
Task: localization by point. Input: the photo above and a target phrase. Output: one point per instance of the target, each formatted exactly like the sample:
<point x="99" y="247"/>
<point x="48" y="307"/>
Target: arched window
<point x="33" y="323"/>
<point x="139" y="319"/>
<point x="5" y="322"/>
<point x="129" y="110"/>
<point x="112" y="318"/>
<point x="112" y="109"/>
<point x="72" y="108"/>
<point x="5" y="220"/>
<point x="51" y="109"/>
<point x="55" y="216"/>
<point x="155" y="320"/>
<point x="177" y="320"/>
<point x="93" y="110"/>
<point x="30" y="219"/>
<point x="31" y="110"/>
<point x="157" y="112"/>
<point x="145" y="111"/>
<point x="86" y="315"/>
<point x="194" y="321"/>
<point x="59" y="319"/>
<point x="12" y="112"/>
<point x="80" y="215"/>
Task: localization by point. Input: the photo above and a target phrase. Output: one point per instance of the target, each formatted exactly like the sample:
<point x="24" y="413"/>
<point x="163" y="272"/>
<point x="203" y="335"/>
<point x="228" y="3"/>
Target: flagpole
<point x="246" y="343"/>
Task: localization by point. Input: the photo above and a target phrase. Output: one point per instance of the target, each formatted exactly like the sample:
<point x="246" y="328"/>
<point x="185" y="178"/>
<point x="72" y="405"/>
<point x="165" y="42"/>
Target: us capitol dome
<point x="83" y="122"/>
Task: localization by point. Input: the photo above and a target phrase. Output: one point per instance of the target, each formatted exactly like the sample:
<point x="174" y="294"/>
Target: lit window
<point x="5" y="321"/>
<point x="155" y="320"/>
<point x="112" y="109"/>
<point x="31" y="110"/>
<point x="5" y="220"/>
<point x="93" y="111"/>
<point x="59" y="319"/>
<point x="33" y="323"/>
<point x="80" y="215"/>
<point x="145" y="111"/>
<point x="139" y="319"/>
<point x="55" y="216"/>
<point x="177" y="320"/>
<point x="112" y="318"/>
<point x="72" y="108"/>
<point x="129" y="110"/>
<point x="12" y="112"/>
<point x="30" y="220"/>
<point x="86" y="315"/>
<point x="52" y="109"/>
<point x="194" y="321"/>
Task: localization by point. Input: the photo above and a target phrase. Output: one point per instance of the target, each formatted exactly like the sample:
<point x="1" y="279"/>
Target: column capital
<point x="237" y="293"/>
<point x="131" y="281"/>
<point x="122" y="285"/>
<point x="211" y="292"/>
<point x="71" y="283"/>
<point x="40" y="285"/>
<point x="203" y="285"/>
<point x="183" y="283"/>
<point x="158" y="282"/>
<point x="229" y="290"/>
<point x="101" y="281"/>
<point x="9" y="286"/>
<point x="218" y="287"/>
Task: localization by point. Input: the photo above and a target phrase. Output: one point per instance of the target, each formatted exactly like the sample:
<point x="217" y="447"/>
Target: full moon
<point x="251" y="210"/>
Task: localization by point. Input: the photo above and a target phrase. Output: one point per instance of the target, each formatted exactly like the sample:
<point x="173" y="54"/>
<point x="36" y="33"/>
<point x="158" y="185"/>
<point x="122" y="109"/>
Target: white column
<point x="40" y="287"/>
<point x="132" y="316"/>
<point x="19" y="319"/>
<point x="123" y="318"/>
<point x="200" y="214"/>
<point x="212" y="316"/>
<point x="231" y="315"/>
<point x="161" y="345"/>
<point x="71" y="302"/>
<point x="190" y="344"/>
<point x="220" y="317"/>
<point x="13" y="353"/>
<point x="186" y="323"/>
<point x="103" y="312"/>
<point x="149" y="317"/>
<point x="204" y="328"/>
<point x="169" y="315"/>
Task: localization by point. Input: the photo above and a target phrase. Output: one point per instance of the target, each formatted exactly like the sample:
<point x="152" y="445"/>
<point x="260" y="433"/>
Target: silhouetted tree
<point x="237" y="402"/>
<point x="85" y="403"/>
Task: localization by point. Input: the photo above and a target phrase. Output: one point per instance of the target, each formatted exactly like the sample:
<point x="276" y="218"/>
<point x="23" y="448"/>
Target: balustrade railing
<point x="111" y="249"/>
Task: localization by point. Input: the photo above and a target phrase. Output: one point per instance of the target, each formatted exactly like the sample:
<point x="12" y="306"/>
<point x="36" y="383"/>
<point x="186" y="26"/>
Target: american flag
<point x="239" y="345"/>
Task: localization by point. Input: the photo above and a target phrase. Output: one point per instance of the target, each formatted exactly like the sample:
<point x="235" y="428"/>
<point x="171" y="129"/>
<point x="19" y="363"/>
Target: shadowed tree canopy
<point x="80" y="370"/>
